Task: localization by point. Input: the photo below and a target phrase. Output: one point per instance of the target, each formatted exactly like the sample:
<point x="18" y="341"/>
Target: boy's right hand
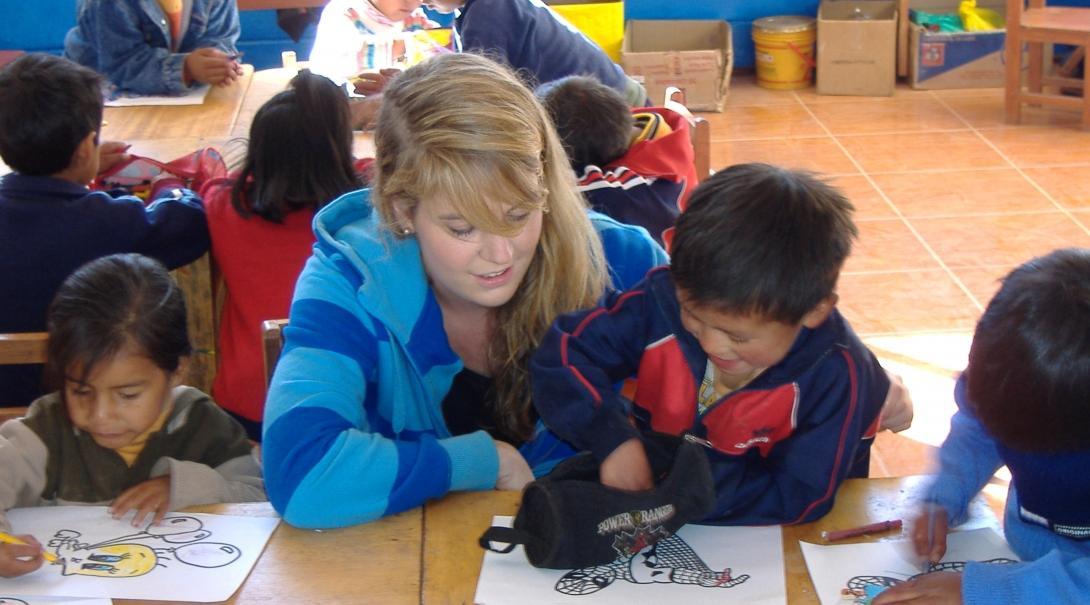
<point x="210" y="66"/>
<point x="627" y="468"/>
<point x="19" y="559"/>
<point x="515" y="473"/>
<point x="929" y="532"/>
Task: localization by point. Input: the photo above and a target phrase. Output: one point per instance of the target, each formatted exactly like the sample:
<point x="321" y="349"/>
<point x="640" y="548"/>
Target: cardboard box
<point x="956" y="60"/>
<point x="600" y="20"/>
<point x="857" y="47"/>
<point x="693" y="55"/>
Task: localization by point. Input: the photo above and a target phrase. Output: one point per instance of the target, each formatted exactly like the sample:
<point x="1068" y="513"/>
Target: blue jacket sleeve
<point x="131" y="50"/>
<point x="630" y="251"/>
<point x="798" y="480"/>
<point x="1058" y="577"/>
<point x="967" y="460"/>
<point x="582" y="356"/>
<point x="331" y="457"/>
<point x="172" y="229"/>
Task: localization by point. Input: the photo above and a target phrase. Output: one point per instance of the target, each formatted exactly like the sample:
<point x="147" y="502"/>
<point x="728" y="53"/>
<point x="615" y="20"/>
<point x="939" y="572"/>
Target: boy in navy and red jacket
<point x="635" y="165"/>
<point x="738" y="345"/>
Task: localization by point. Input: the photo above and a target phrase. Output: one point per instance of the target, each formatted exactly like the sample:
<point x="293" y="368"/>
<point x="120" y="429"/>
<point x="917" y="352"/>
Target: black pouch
<point x="568" y="519"/>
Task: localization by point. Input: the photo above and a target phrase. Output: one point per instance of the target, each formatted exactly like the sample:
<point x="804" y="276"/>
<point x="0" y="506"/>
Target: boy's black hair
<point x="48" y="105"/>
<point x="1029" y="364"/>
<point x="300" y="151"/>
<point x="593" y="120"/>
<point x="760" y="239"/>
<point x="108" y="304"/>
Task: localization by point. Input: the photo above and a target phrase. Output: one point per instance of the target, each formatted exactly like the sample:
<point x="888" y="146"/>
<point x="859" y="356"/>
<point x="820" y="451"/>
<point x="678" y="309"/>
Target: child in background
<point x="50" y="223"/>
<point x="1024" y="402"/>
<point x="358" y="35"/>
<point x="635" y="165"/>
<point x="260" y="223"/>
<point x="737" y="344"/>
<point x="155" y="47"/>
<point x="536" y="42"/>
<point x="121" y="429"/>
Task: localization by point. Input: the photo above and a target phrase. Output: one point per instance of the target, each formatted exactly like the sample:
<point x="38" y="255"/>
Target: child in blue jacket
<point x="737" y="345"/>
<point x="50" y="222"/>
<point x="156" y="47"/>
<point x="1022" y="402"/>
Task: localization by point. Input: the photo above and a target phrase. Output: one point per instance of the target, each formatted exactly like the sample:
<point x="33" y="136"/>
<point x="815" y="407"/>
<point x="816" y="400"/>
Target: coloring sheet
<point x="862" y="569"/>
<point x="193" y="96"/>
<point x="699" y="564"/>
<point x="186" y="557"/>
<point x="51" y="601"/>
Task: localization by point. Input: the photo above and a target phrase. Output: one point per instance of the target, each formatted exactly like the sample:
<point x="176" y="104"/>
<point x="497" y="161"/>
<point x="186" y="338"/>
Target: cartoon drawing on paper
<point x="671" y="560"/>
<point x="858" y="585"/>
<point x="123" y="557"/>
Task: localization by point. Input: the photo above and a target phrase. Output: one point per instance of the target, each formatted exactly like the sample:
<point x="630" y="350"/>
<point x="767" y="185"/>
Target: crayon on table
<point x="48" y="556"/>
<point x="833" y="536"/>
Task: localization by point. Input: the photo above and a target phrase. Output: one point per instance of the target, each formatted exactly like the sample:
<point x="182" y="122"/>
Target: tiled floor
<point x="949" y="198"/>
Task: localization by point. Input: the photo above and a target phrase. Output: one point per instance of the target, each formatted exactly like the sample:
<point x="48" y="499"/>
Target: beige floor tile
<point x="1069" y="186"/>
<point x="921" y="151"/>
<point x="818" y="154"/>
<point x="963" y="192"/>
<point x="886" y="116"/>
<point x="1004" y="240"/>
<point x="888" y="245"/>
<point x="905" y="301"/>
<point x="1040" y="146"/>
<point x="868" y="202"/>
<point x="763" y="121"/>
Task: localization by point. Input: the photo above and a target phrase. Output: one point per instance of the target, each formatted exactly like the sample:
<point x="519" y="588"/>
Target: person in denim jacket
<point x="157" y="46"/>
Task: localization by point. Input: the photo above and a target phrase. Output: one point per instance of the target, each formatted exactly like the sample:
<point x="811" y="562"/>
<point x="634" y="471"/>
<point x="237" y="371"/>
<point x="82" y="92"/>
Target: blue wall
<point x="41" y="24"/>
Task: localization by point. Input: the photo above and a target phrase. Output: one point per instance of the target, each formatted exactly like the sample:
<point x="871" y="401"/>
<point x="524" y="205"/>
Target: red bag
<point x="142" y="177"/>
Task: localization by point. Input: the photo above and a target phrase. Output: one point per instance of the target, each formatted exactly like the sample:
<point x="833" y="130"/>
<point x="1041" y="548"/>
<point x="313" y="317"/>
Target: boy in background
<point x="50" y="223"/>
<point x="738" y="345"/>
<point x="535" y="41"/>
<point x="157" y="47"/>
<point x="1024" y="402"/>
<point x="635" y="165"/>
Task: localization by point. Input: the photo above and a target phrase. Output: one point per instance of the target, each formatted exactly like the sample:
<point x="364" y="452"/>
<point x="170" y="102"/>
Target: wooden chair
<point x="272" y="340"/>
<point x="700" y="132"/>
<point x="21" y="348"/>
<point x="1036" y="25"/>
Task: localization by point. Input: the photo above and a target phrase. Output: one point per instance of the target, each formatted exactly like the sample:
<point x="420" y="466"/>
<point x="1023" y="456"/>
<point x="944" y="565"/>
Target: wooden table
<point x="373" y="563"/>
<point x="452" y="558"/>
<point x="214" y="118"/>
<point x="430" y="555"/>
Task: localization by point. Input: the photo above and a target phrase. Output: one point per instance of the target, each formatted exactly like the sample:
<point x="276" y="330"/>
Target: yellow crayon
<point x="52" y="558"/>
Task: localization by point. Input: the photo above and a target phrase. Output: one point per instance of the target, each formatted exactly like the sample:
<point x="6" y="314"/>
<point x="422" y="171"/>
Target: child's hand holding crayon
<point x="940" y="588"/>
<point x="211" y="66"/>
<point x="110" y="154"/>
<point x="21" y="555"/>
<point x="929" y="532"/>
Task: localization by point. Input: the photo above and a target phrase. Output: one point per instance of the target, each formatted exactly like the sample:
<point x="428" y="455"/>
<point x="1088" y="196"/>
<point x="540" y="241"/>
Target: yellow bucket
<point x="784" y="51"/>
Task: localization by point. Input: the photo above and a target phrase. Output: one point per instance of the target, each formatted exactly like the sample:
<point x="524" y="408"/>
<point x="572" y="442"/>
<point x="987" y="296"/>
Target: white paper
<point x="187" y="557"/>
<point x="674" y="571"/>
<point x="836" y="567"/>
<point x="192" y="96"/>
<point x="52" y="601"/>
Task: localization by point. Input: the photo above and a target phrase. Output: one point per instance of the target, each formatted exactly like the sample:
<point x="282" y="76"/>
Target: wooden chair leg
<point x="1036" y="65"/>
<point x="1085" y="94"/>
<point x="1012" y="100"/>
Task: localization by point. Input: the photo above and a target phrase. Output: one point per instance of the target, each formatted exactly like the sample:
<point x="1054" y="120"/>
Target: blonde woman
<point x="412" y="324"/>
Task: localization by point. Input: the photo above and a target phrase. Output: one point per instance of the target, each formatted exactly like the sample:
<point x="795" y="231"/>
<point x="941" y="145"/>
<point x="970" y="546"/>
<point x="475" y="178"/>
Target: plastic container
<point x="784" y="49"/>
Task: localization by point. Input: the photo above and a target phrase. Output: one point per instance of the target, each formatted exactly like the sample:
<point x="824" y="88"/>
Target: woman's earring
<point x="545" y="209"/>
<point x="405" y="231"/>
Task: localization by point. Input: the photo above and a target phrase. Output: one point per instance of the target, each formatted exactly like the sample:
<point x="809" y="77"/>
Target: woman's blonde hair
<point x="464" y="129"/>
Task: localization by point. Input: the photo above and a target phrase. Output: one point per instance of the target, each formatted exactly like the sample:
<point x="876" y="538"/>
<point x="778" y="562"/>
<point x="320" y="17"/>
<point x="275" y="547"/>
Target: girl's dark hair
<point x="1029" y="364"/>
<point x="107" y="304"/>
<point x="300" y="151"/>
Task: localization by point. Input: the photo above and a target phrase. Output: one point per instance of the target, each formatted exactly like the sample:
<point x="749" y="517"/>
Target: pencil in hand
<point x="9" y="539"/>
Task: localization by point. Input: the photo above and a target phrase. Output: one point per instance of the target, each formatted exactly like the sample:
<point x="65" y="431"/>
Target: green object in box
<point x="936" y="22"/>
